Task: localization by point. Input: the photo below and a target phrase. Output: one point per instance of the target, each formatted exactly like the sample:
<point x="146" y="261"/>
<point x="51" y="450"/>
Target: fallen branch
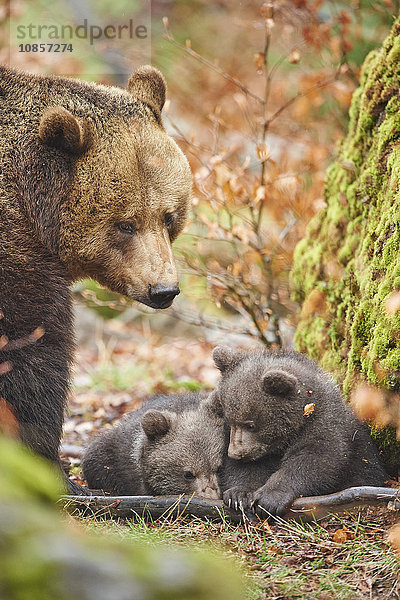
<point x="302" y="509"/>
<point x="317" y="507"/>
<point x="152" y="507"/>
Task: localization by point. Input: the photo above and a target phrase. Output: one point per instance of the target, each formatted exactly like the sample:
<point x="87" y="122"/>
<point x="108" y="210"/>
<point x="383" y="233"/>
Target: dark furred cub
<point x="291" y="433"/>
<point x="171" y="445"/>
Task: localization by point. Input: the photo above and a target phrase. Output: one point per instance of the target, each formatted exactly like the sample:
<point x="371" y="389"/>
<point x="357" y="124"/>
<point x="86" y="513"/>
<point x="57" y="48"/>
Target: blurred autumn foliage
<point x="259" y="127"/>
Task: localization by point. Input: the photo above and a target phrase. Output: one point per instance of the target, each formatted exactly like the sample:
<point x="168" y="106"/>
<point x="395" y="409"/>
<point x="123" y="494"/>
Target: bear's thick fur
<point x="171" y="445"/>
<point x="90" y="186"/>
<point x="291" y="433"/>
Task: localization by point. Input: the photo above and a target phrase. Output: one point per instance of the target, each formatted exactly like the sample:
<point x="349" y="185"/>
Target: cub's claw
<point x="237" y="498"/>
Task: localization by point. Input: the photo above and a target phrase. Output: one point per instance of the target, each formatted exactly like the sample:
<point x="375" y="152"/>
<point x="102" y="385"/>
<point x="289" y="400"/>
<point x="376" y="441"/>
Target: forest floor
<point x="341" y="557"/>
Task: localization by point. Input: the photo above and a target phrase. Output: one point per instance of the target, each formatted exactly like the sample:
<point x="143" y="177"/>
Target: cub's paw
<point x="267" y="502"/>
<point x="237" y="498"/>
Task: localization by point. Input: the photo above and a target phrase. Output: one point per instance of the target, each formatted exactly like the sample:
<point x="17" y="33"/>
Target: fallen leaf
<point x="309" y="409"/>
<point x="394" y="539"/>
<point x="340" y="536"/>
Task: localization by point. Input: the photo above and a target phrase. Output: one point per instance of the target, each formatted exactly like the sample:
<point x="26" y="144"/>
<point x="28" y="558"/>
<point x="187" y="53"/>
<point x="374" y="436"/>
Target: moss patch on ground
<point x="348" y="265"/>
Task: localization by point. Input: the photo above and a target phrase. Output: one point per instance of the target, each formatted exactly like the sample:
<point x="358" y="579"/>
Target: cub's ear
<point x="60" y="129"/>
<point x="213" y="404"/>
<point x="279" y="382"/>
<point x="226" y="359"/>
<point x="148" y="85"/>
<point x="157" y="423"/>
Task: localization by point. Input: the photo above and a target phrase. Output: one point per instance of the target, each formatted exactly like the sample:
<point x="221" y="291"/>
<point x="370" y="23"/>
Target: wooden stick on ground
<point x="317" y="507"/>
<point x="151" y="507"/>
<point x="154" y="507"/>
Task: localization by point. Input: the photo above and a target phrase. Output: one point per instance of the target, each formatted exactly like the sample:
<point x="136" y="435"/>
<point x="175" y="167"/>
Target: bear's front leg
<point x="36" y="320"/>
<point x="268" y="500"/>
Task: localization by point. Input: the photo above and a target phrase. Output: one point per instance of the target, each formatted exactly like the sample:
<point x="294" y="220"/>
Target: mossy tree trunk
<point x="348" y="266"/>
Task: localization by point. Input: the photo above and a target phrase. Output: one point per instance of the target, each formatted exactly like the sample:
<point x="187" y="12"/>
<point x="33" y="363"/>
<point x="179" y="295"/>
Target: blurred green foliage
<point x="43" y="557"/>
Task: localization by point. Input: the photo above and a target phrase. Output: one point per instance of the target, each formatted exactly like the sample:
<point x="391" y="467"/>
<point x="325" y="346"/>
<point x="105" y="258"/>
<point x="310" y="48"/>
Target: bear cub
<point x="291" y="433"/>
<point x="171" y="445"/>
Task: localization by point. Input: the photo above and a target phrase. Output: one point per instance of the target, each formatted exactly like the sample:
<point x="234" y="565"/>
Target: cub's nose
<point x="162" y="294"/>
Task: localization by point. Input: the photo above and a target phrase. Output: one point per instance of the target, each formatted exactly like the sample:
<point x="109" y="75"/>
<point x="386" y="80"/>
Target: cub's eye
<point x="188" y="475"/>
<point x="126" y="227"/>
<point x="249" y="425"/>
<point x="169" y="220"/>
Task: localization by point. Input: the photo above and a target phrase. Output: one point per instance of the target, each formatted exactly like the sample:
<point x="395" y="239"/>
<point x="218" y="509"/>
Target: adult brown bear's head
<point x="129" y="193"/>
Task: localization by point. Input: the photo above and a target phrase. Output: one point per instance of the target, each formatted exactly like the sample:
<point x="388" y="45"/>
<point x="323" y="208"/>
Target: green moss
<point x="389" y="447"/>
<point x="394" y="53"/>
<point x="360" y="229"/>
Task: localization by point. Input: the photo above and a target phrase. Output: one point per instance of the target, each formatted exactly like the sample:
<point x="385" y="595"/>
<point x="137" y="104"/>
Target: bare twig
<point x="316" y="86"/>
<point x="268" y="29"/>
<point x="208" y="322"/>
<point x="168" y="36"/>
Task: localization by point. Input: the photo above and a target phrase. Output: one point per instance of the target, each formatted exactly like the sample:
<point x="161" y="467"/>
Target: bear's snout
<point x="207" y="487"/>
<point x="242" y="444"/>
<point x="162" y="295"/>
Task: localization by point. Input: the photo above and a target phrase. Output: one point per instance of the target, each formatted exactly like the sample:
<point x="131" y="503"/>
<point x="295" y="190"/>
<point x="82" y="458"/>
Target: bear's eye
<point x="249" y="425"/>
<point x="188" y="475"/>
<point x="169" y="220"/>
<point x="126" y="227"/>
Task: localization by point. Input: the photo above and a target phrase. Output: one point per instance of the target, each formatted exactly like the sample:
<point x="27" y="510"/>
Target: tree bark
<point x="346" y="269"/>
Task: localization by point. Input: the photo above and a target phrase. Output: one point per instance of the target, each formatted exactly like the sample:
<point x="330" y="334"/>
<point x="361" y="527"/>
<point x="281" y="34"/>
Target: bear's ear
<point x="60" y="129"/>
<point x="226" y="359"/>
<point x="148" y="85"/>
<point x="279" y="382"/>
<point x="213" y="404"/>
<point x="157" y="423"/>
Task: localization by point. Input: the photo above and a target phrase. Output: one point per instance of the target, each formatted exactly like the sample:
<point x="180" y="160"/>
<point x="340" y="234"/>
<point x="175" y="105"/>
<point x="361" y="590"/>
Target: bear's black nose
<point x="162" y="294"/>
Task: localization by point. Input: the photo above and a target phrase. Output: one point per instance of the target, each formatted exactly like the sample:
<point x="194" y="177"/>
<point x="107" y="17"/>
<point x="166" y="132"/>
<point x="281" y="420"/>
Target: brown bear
<point x="91" y="185"/>
<point x="171" y="445"/>
<point x="291" y="433"/>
